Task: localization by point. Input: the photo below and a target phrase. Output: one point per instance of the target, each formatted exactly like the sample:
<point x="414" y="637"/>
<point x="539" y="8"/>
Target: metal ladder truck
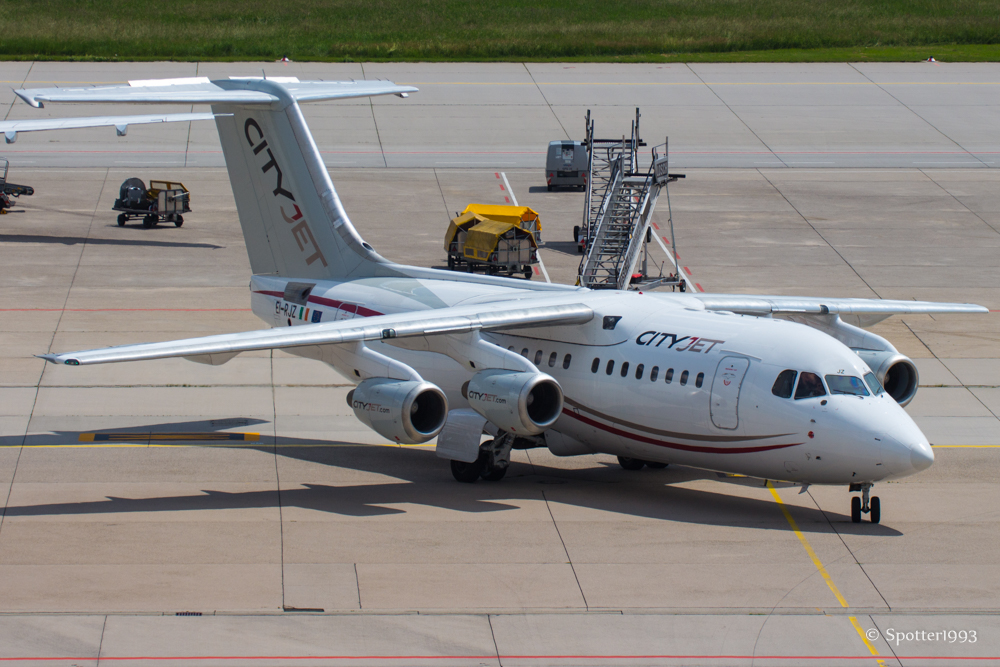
<point x="618" y="212"/>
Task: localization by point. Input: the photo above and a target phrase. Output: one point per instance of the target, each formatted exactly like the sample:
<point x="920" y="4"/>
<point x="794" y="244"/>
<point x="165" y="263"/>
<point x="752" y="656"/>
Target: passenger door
<point x="724" y="407"/>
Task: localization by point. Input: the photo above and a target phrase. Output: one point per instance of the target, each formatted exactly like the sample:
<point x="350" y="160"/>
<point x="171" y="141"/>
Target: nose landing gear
<point x="863" y="505"/>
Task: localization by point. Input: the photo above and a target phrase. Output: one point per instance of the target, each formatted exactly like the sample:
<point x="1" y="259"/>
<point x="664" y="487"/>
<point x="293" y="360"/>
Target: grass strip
<point x="503" y="30"/>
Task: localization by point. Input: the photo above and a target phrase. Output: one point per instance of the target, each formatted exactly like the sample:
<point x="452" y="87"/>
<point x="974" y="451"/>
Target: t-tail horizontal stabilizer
<point x="10" y="128"/>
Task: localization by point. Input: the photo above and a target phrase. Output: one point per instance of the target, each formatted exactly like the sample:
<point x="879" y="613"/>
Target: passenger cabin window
<point x="510" y="348"/>
<point x="595" y="365"/>
<point x="552" y="359"/>
<point x="654" y="373"/>
<point x="873" y="384"/>
<point x="784" y="384"/>
<point x="624" y="368"/>
<point x="610" y="368"/>
<point x="568" y="358"/>
<point x="810" y="386"/>
<point x="684" y="378"/>
<point x="524" y="353"/>
<point x="638" y="372"/>
<point x="700" y="380"/>
<point x="669" y="375"/>
<point x="846" y="384"/>
<point x="538" y="357"/>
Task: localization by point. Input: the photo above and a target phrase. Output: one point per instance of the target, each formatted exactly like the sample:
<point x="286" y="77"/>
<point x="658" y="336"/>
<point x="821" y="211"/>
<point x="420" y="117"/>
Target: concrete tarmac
<point x="315" y="542"/>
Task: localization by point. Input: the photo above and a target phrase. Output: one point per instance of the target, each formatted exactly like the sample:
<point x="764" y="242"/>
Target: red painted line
<point x="505" y="657"/>
<point x="687" y="270"/>
<point x="507" y="199"/>
<point x="656" y="226"/>
<point x="497" y="174"/>
<point x="674" y="445"/>
<point x="665" y="239"/>
<point x="501" y="186"/>
<point x="124" y="310"/>
<point x="537" y="271"/>
<point x="700" y="288"/>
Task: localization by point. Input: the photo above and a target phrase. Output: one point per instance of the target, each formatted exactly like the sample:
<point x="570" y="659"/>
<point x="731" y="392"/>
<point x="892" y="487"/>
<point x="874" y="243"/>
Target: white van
<point x="566" y="164"/>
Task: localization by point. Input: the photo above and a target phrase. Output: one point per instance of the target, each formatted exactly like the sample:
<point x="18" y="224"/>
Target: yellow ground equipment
<point x="494" y="239"/>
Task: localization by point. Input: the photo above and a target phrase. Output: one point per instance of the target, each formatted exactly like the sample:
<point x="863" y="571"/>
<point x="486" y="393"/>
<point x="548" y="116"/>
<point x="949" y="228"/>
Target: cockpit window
<point x="873" y="384"/>
<point x="846" y="384"/>
<point x="784" y="384"/>
<point x="810" y="386"/>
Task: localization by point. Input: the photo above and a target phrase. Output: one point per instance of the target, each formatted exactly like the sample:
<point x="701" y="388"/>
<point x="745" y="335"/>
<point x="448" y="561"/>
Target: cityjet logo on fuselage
<point x="300" y="231"/>
<point x="691" y="343"/>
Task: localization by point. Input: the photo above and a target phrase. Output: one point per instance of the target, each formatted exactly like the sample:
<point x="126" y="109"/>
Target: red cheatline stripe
<point x="674" y="445"/>
<point x="332" y="303"/>
<point x="503" y="657"/>
<point x="124" y="310"/>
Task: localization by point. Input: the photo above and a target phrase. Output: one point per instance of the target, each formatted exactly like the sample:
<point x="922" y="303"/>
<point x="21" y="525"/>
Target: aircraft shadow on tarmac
<point x="650" y="494"/>
<point x="75" y="240"/>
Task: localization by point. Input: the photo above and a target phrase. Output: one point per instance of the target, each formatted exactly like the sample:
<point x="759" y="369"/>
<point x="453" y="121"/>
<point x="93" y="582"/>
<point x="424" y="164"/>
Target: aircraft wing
<point x="454" y="320"/>
<point x="10" y="128"/>
<point x="202" y="90"/>
<point x="752" y="304"/>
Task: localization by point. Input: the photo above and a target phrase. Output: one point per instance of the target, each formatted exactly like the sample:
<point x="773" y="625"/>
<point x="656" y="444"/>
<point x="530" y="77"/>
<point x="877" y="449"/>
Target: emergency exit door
<point x="726" y="391"/>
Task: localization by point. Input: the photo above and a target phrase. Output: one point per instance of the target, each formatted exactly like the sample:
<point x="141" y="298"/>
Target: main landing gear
<point x="493" y="461"/>
<point x="637" y="464"/>
<point x="863" y="505"/>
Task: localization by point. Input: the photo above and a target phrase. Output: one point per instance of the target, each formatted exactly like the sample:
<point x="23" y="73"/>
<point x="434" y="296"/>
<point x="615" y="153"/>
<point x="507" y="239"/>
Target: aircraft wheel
<point x="876" y="509"/>
<point x="122" y="219"/>
<point x="630" y="464"/>
<point x="468" y="472"/>
<point x="179" y="220"/>
<point x="856" y="509"/>
<point x="656" y="465"/>
<point x="493" y="474"/>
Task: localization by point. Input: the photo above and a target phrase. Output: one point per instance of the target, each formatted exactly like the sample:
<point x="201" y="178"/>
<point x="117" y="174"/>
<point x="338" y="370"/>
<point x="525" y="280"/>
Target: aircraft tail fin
<point x="292" y="219"/>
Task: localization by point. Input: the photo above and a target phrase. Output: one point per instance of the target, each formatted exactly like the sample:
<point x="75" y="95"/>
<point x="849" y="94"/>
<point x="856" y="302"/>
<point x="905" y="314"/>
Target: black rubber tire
<point x="451" y="263"/>
<point x="493" y="474"/>
<point x="528" y="273"/>
<point x="468" y="473"/>
<point x="630" y="464"/>
<point x="122" y="219"/>
<point x="179" y="220"/>
<point x="149" y="221"/>
<point x="856" y="509"/>
<point x="550" y="188"/>
<point x="875" y="505"/>
<point x="576" y="233"/>
<point x="656" y="465"/>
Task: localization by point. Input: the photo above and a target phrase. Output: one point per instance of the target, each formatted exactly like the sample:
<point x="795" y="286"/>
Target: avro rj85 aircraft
<point x="783" y="388"/>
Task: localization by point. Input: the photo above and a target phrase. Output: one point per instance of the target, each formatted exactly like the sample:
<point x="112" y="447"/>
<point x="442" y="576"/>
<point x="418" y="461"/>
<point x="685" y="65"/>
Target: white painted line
<point x="680" y="272"/>
<point x="538" y="253"/>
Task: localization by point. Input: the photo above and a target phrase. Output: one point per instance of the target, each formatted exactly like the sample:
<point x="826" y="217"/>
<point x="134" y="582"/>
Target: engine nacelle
<point x="896" y="372"/>
<point x="521" y="403"/>
<point x="400" y="410"/>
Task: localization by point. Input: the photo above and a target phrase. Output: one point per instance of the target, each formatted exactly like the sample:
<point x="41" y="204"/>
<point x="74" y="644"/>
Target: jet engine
<point x="517" y="402"/>
<point x="402" y="411"/>
<point x="896" y="372"/>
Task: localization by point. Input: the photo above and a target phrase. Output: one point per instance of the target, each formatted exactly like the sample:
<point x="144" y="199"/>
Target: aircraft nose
<point x="921" y="456"/>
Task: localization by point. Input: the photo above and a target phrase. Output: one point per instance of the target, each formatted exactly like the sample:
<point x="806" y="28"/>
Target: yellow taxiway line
<point x="822" y="570"/>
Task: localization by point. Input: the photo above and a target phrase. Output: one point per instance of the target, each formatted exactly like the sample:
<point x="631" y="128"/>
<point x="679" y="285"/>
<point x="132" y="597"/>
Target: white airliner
<point x="782" y="388"/>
